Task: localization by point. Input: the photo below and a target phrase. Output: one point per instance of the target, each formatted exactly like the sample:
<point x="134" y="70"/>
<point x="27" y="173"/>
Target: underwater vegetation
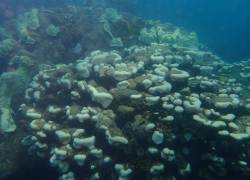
<point x="94" y="93"/>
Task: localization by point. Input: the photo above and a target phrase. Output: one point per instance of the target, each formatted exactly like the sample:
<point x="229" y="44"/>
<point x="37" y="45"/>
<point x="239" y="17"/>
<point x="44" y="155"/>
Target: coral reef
<point x="109" y="103"/>
<point x="27" y="23"/>
<point x="11" y="152"/>
<point x="146" y="112"/>
<point x="36" y="40"/>
<point x="156" y="32"/>
<point x="56" y="36"/>
<point x="11" y="84"/>
<point x="111" y="16"/>
<point x="64" y="34"/>
<point x="52" y="30"/>
<point x="6" y="47"/>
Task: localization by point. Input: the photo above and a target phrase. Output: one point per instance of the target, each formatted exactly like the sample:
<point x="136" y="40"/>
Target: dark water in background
<point x="222" y="25"/>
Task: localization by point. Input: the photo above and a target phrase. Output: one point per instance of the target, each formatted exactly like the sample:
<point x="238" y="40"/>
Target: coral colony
<point x="143" y="101"/>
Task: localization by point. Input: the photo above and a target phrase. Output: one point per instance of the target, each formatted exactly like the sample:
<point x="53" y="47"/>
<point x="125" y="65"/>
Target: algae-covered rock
<point x="111" y="16"/>
<point x="7" y="122"/>
<point x="53" y="30"/>
<point x="167" y="33"/>
<point x="6" y="47"/>
<point x="11" y="84"/>
<point x="27" y="23"/>
<point x="10" y="154"/>
<point x="4" y="34"/>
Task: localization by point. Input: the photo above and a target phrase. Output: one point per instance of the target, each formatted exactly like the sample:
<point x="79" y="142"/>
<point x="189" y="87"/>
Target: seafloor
<point x="94" y="93"/>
